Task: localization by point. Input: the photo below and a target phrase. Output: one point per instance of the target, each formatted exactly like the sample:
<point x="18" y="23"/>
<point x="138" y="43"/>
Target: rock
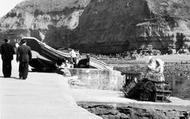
<point x="123" y="116"/>
<point x="133" y="112"/>
<point x="99" y="26"/>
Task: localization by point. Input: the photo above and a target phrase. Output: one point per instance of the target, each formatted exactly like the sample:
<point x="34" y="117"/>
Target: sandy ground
<point x="48" y="96"/>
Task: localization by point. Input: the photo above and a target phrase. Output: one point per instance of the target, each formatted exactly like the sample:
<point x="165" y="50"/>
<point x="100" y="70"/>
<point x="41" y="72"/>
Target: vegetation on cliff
<point x="99" y="26"/>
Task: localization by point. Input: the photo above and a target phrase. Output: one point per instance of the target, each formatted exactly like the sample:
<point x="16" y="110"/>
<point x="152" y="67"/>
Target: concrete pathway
<point x="116" y="97"/>
<point x="41" y="96"/>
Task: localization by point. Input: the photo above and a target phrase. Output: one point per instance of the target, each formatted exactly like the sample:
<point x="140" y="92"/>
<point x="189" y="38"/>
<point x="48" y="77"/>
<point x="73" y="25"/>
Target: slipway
<point x="45" y="57"/>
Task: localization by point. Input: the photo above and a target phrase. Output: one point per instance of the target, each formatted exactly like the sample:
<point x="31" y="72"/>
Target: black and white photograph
<point x="94" y="59"/>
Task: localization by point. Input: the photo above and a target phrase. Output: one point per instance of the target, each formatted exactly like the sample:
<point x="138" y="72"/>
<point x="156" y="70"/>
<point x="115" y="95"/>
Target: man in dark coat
<point x="84" y="63"/>
<point x="24" y="55"/>
<point x="7" y="52"/>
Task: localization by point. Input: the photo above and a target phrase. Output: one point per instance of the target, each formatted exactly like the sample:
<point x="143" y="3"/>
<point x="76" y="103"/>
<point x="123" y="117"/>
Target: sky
<point x="7" y="5"/>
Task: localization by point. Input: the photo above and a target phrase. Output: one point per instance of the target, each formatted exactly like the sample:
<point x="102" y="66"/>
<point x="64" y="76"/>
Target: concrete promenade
<point x="49" y="96"/>
<point x="41" y="96"/>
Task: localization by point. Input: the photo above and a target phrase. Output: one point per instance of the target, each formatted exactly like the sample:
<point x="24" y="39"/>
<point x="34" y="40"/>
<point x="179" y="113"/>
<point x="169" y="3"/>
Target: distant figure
<point x="84" y="63"/>
<point x="183" y="50"/>
<point x="16" y="46"/>
<point x="78" y="56"/>
<point x="155" y="70"/>
<point x="68" y="65"/>
<point x="24" y="55"/>
<point x="73" y="56"/>
<point x="62" y="67"/>
<point x="64" y="63"/>
<point x="59" y="63"/>
<point x="7" y="52"/>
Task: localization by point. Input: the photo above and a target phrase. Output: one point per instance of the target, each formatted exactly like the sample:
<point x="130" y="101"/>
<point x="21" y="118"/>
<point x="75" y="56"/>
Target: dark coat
<point x="24" y="53"/>
<point x="84" y="63"/>
<point x="7" y="51"/>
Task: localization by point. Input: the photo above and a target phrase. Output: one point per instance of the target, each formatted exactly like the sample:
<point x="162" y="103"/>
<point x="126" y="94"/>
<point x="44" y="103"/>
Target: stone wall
<point x="124" y="111"/>
<point x="99" y="79"/>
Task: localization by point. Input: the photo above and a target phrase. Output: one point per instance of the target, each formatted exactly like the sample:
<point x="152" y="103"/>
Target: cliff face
<point x="110" y="24"/>
<point x="48" y="20"/>
<point x="114" y="26"/>
<point x="99" y="26"/>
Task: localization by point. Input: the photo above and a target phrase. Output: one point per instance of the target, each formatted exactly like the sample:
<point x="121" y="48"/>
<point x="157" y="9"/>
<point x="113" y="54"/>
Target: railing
<point x="101" y="63"/>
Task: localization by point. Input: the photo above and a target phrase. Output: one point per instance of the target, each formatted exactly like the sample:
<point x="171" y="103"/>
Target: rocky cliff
<point x="99" y="26"/>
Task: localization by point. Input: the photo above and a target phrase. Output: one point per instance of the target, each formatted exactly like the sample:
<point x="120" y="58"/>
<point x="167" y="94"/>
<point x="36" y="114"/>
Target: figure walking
<point x="24" y="55"/>
<point x="7" y="52"/>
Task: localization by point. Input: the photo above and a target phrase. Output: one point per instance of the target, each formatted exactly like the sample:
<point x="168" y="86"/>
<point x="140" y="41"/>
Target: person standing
<point x="73" y="56"/>
<point x="24" y="55"/>
<point x="84" y="63"/>
<point x="7" y="52"/>
<point x="16" y="46"/>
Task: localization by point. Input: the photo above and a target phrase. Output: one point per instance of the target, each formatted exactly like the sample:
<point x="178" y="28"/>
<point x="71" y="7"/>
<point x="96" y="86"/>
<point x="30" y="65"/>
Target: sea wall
<point x="99" y="79"/>
<point x="125" y="111"/>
